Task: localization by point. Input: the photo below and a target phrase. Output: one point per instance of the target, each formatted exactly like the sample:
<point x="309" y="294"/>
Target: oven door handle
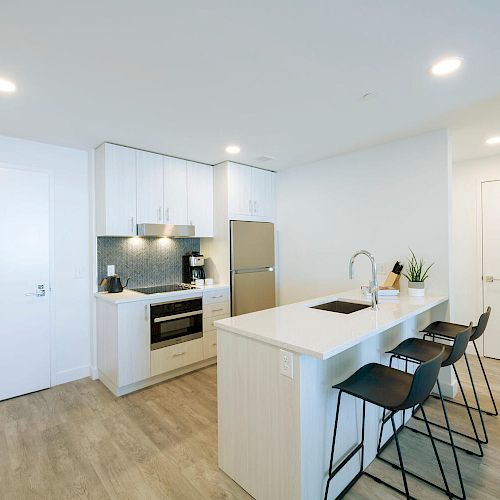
<point x="177" y="316"/>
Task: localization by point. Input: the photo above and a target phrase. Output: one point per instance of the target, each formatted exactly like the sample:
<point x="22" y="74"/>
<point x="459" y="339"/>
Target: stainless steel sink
<point x="341" y="306"/>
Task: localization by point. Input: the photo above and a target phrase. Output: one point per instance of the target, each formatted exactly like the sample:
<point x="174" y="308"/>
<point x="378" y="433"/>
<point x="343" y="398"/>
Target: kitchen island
<point x="276" y="406"/>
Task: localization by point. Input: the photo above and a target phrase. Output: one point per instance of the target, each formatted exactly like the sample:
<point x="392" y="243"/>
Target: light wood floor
<point x="78" y="441"/>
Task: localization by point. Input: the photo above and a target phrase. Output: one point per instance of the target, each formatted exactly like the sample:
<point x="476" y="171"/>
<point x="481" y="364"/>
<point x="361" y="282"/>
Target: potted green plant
<point x="416" y="274"/>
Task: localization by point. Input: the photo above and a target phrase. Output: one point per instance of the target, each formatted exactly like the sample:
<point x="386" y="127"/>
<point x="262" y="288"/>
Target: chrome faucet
<point x="374" y="281"/>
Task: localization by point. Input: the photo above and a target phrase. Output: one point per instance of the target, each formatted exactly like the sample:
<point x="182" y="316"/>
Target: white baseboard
<point x="69" y="375"/>
<point x="448" y="390"/>
<point x="94" y="372"/>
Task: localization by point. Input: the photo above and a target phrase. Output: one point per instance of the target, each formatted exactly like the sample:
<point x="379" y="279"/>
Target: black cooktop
<point x="163" y="288"/>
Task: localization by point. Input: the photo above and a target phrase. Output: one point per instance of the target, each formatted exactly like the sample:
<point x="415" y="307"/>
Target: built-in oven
<point x="175" y="322"/>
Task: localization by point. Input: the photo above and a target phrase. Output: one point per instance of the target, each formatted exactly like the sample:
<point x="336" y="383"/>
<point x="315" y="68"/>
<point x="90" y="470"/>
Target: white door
<point x="174" y="191"/>
<point x="200" y="198"/>
<point x="24" y="278"/>
<point x="240" y="191"/>
<point x="491" y="265"/>
<point x="149" y="188"/>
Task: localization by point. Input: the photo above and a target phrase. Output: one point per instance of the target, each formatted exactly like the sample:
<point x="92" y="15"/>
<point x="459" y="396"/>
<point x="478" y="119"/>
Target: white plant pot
<point x="416" y="288"/>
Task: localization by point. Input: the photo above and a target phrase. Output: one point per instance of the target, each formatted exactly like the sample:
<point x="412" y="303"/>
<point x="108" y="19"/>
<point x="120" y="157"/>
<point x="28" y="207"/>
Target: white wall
<point x="70" y="296"/>
<point x="384" y="199"/>
<point x="466" y="303"/>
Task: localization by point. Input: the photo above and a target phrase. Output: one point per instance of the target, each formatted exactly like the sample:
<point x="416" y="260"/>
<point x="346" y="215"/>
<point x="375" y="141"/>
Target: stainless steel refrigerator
<point x="252" y="267"/>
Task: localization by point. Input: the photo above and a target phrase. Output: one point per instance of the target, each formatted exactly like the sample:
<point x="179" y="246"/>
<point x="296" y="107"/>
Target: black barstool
<point x="393" y="390"/>
<point x="419" y="351"/>
<point x="447" y="331"/>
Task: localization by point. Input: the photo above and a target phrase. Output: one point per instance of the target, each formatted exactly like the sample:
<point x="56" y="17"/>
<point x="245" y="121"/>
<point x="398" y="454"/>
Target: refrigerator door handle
<point x="253" y="270"/>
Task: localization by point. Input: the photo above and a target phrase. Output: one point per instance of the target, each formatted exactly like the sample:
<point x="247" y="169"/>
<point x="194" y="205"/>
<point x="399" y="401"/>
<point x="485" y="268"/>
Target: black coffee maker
<point x="193" y="267"/>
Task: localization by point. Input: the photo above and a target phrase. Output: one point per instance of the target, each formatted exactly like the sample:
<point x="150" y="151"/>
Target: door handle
<point x="250" y="206"/>
<point x="490" y="279"/>
<point x="40" y="292"/>
<point x="167" y="215"/>
<point x="255" y="207"/>
<point x="159" y="214"/>
<point x="132" y="229"/>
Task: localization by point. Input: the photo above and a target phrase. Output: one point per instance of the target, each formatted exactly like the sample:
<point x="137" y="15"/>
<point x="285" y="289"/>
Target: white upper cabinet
<point x="240" y="190"/>
<point x="250" y="193"/>
<point x="115" y="178"/>
<point x="175" y="198"/>
<point x="137" y="187"/>
<point x="200" y="198"/>
<point x="263" y="194"/>
<point x="149" y="188"/>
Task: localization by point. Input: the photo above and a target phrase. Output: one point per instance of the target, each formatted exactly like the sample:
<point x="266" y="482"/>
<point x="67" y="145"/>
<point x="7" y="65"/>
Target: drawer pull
<point x="217" y="310"/>
<point x="215" y="343"/>
<point x="217" y="296"/>
<point x="179" y="354"/>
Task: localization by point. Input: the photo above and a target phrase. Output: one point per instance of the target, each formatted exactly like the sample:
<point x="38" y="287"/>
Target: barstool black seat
<point x="379" y="384"/>
<point x="421" y="350"/>
<point x="448" y="330"/>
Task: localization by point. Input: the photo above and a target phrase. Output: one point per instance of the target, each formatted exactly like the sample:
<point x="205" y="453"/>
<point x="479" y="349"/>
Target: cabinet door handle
<point x="255" y="207"/>
<point x="217" y="310"/>
<point x="159" y="214"/>
<point x="215" y="343"/>
<point x="167" y="215"/>
<point x="132" y="229"/>
<point x="250" y="206"/>
<point x="179" y="354"/>
<point x="216" y="296"/>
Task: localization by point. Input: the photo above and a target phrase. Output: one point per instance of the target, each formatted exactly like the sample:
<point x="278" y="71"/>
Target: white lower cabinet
<point x="216" y="306"/>
<point x="123" y="343"/>
<point x="209" y="344"/>
<point x="176" y="356"/>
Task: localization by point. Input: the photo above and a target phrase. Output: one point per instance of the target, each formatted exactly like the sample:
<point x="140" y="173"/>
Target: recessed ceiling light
<point x="233" y="150"/>
<point x="7" y="86"/>
<point x="493" y="140"/>
<point x="446" y="66"/>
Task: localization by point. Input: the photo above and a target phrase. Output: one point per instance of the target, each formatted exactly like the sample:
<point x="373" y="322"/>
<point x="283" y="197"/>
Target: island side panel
<point x="319" y="402"/>
<point x="259" y="426"/>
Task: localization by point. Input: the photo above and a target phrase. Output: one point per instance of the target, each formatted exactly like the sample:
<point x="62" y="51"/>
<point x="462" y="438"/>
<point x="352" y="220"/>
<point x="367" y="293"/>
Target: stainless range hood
<point x="165" y="230"/>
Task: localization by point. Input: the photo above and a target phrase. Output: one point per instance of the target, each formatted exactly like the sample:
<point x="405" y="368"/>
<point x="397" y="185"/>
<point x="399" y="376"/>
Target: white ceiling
<point x="279" y="78"/>
<point x="472" y="126"/>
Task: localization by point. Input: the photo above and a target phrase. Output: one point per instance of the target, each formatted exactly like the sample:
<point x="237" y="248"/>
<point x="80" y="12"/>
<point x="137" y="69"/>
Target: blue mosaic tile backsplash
<point x="147" y="261"/>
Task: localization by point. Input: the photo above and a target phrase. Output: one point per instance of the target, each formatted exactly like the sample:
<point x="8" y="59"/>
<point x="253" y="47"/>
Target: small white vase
<point x="416" y="288"/>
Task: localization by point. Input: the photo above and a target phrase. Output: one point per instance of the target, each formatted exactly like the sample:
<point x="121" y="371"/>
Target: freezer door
<point x="252" y="245"/>
<point x="252" y="292"/>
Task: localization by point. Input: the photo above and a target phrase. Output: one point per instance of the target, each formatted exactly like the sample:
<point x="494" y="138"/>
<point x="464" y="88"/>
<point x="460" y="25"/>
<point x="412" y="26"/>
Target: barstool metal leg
<point x="485" y="441"/>
<point x="330" y="475"/>
<point x="403" y="473"/>
<point x="360" y="446"/>
<point x="436" y="454"/>
<point x="495" y="412"/>
<point x="471" y="419"/>
<point x="487" y="412"/>
<point x="450" y="434"/>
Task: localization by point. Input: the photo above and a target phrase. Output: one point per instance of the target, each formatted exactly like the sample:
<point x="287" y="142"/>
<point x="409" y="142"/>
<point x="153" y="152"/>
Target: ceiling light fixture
<point x="233" y="150"/>
<point x="446" y="66"/>
<point x="7" y="86"/>
<point x="493" y="140"/>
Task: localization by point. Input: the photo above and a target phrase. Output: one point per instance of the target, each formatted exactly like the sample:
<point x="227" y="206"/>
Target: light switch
<point x="286" y="363"/>
<point x="111" y="270"/>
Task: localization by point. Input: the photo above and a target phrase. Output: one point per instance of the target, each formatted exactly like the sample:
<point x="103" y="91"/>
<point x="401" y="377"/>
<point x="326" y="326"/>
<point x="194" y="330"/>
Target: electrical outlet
<point x="286" y="363"/>
<point x="111" y="270"/>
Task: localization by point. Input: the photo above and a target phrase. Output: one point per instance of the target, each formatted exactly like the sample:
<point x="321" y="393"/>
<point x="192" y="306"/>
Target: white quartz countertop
<point x="322" y="334"/>
<point x="131" y="296"/>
